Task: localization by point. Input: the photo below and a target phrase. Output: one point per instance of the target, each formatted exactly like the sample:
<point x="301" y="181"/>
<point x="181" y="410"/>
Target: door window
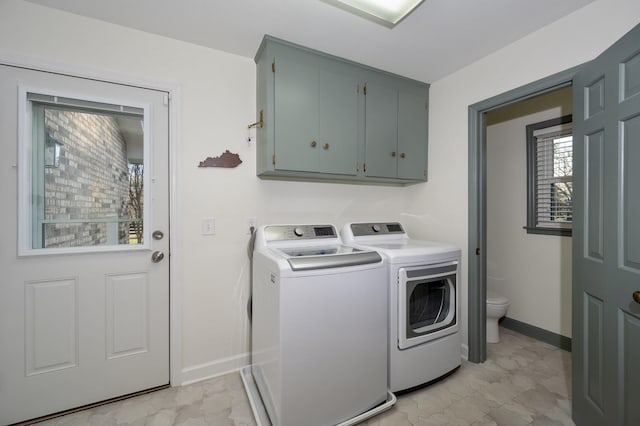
<point x="85" y="180"/>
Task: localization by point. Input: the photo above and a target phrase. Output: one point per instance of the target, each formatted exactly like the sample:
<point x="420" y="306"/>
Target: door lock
<point x="157" y="256"/>
<point x="157" y="235"/>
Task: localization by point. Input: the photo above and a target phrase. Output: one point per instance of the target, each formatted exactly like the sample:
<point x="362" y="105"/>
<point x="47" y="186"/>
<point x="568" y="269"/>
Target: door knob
<point x="393" y="153"/>
<point x="636" y="296"/>
<point x="157" y="256"/>
<point x="325" y="146"/>
<point x="313" y="144"/>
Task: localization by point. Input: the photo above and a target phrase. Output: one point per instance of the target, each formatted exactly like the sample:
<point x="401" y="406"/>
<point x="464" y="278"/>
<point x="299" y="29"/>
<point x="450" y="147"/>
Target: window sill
<point x="562" y="232"/>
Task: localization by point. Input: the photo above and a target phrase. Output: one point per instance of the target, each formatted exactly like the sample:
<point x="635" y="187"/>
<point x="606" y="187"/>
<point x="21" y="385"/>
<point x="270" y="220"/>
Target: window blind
<point x="553" y="176"/>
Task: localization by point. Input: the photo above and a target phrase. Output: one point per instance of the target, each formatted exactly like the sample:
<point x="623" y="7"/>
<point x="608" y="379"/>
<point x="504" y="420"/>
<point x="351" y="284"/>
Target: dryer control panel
<point x="377" y="228"/>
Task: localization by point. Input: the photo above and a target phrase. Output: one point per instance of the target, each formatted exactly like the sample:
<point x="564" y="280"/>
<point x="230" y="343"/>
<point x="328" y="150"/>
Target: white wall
<point x="218" y="101"/>
<point x="532" y="270"/>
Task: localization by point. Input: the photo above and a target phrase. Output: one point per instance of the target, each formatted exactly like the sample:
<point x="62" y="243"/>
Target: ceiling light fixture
<point x="385" y="12"/>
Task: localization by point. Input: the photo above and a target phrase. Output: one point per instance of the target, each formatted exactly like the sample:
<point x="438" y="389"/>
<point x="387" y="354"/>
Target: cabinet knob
<point x="313" y="144"/>
<point x="393" y="153"/>
<point x="402" y="155"/>
<point x="325" y="146"/>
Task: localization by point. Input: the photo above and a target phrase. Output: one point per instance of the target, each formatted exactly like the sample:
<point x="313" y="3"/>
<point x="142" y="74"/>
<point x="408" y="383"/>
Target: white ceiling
<point x="438" y="38"/>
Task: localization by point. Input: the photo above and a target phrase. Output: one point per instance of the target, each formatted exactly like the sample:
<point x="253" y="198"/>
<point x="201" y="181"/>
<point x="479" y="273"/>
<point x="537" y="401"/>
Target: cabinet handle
<point x="325" y="146"/>
<point x="313" y="144"/>
<point x="402" y="155"/>
<point x="393" y="153"/>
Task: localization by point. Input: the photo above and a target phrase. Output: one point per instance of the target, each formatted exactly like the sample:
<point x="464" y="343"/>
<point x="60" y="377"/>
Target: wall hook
<point x="258" y="123"/>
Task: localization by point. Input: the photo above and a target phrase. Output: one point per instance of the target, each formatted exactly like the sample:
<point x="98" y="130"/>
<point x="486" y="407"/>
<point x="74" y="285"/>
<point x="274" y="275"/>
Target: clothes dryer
<point x="423" y="276"/>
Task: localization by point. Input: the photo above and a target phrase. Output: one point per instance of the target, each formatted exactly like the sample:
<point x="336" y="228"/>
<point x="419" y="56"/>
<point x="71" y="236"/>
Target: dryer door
<point x="427" y="301"/>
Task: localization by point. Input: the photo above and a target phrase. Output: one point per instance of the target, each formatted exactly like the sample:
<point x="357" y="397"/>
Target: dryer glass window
<point x="428" y="305"/>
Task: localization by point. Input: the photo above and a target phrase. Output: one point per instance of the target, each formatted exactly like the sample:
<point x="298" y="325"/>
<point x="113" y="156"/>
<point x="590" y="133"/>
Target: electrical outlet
<point x="208" y="226"/>
<point x="251" y="222"/>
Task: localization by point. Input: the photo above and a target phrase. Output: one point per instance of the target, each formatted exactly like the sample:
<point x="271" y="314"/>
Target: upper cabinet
<point x="315" y="112"/>
<point x="326" y="118"/>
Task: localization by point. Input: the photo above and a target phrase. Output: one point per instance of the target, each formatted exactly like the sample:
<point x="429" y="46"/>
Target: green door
<point x="412" y="135"/>
<point x="296" y="114"/>
<point x="338" y="123"/>
<point x="381" y="131"/>
<point x="606" y="237"/>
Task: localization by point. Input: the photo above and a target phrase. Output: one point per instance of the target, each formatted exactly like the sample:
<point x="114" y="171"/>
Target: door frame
<point x="477" y="202"/>
<point x="175" y="212"/>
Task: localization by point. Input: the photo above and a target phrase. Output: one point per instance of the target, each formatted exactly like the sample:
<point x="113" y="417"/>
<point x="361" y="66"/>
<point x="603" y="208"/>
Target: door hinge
<point x="273" y="66"/>
<point x="477" y="251"/>
<point x="273" y="159"/>
<point x="165" y="100"/>
<point x="357" y="88"/>
<point x="364" y="167"/>
<point x="364" y="90"/>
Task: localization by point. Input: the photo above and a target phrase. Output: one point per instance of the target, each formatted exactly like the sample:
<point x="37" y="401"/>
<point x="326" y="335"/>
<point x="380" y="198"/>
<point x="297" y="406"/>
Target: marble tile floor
<point x="523" y="382"/>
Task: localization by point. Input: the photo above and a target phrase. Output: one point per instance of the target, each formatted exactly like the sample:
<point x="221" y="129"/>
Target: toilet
<point x="496" y="308"/>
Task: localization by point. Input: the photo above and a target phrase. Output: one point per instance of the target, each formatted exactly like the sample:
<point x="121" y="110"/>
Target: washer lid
<point x="308" y="258"/>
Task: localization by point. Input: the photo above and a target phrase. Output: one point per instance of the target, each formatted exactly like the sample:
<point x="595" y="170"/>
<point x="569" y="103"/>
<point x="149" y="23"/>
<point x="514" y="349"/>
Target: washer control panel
<point x="299" y="232"/>
<point x="388" y="228"/>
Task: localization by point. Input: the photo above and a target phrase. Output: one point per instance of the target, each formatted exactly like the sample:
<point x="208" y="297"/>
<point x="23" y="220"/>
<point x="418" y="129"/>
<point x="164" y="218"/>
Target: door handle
<point x="636" y="296"/>
<point x="157" y="256"/>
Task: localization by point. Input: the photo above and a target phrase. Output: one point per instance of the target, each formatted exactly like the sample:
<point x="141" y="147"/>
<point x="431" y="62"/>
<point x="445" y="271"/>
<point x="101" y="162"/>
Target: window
<point x="85" y="185"/>
<point x="550" y="177"/>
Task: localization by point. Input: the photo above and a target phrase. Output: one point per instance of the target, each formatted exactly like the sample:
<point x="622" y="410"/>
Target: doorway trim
<point x="477" y="225"/>
<point x="175" y="211"/>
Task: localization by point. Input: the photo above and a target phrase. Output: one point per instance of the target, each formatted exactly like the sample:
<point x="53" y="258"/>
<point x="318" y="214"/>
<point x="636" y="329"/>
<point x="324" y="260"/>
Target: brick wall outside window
<point x="90" y="182"/>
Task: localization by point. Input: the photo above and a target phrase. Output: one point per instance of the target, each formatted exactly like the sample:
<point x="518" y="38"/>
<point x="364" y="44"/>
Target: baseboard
<point x="213" y="369"/>
<point x="557" y="340"/>
<point x="465" y="352"/>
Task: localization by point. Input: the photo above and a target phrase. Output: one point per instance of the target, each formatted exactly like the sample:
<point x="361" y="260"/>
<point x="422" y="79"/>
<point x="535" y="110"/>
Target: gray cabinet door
<point x="381" y="131"/>
<point x="338" y="123"/>
<point x="295" y="115"/>
<point x="412" y="135"/>
<point x="606" y="237"/>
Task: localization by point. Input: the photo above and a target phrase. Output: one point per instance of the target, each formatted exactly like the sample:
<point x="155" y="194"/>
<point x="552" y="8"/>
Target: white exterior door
<point x="84" y="310"/>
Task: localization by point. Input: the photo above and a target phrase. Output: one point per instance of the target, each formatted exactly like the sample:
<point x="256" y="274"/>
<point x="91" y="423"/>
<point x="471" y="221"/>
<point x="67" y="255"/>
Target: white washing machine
<point x="319" y="329"/>
<point x="424" y="340"/>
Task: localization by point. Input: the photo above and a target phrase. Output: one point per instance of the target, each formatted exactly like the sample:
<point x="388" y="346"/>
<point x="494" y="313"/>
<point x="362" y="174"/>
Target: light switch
<point x="208" y="226"/>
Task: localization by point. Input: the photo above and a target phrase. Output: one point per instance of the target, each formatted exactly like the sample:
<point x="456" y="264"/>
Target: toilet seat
<point x="495" y="299"/>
